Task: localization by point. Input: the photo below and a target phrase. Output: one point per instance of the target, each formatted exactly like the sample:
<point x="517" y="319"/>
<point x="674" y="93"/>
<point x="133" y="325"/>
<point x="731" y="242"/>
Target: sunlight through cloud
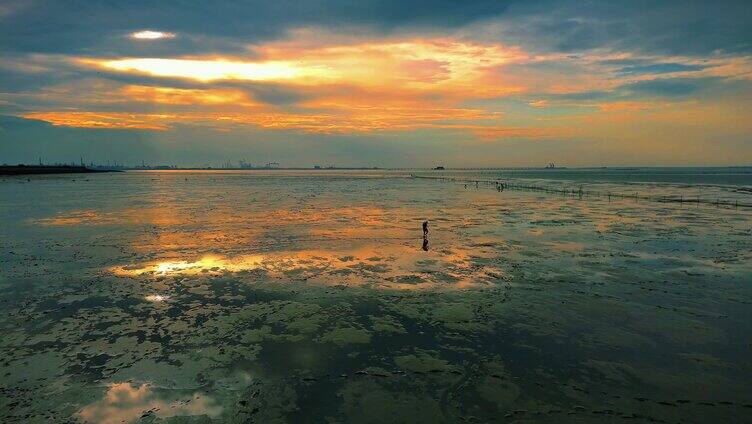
<point x="205" y="70"/>
<point x="151" y="35"/>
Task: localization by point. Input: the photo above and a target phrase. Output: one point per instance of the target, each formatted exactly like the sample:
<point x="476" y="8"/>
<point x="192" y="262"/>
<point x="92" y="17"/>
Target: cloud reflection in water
<point x="127" y="402"/>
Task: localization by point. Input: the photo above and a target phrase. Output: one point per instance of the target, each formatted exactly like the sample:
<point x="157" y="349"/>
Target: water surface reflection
<point x="128" y="402"/>
<point x="385" y="266"/>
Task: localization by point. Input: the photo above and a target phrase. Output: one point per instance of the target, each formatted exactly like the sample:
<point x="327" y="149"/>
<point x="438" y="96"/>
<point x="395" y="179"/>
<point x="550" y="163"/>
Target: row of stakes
<point x="500" y="186"/>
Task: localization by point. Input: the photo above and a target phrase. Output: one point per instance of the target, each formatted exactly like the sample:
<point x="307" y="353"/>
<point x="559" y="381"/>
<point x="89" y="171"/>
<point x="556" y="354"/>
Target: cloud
<point x="660" y="68"/>
<point x="687" y="27"/>
<point x="356" y="87"/>
<point x="672" y="27"/>
<point x="462" y="73"/>
<point x="406" y="63"/>
<point x="116" y="120"/>
<point x="88" y="26"/>
<point x="181" y="96"/>
<point x="669" y="87"/>
<point x="204" y="70"/>
<point x="348" y="121"/>
<point x="26" y="140"/>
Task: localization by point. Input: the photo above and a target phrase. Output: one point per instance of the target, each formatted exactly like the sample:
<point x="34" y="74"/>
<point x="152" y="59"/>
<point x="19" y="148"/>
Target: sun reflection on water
<point x="398" y="267"/>
<point x="206" y="264"/>
<point x="156" y="298"/>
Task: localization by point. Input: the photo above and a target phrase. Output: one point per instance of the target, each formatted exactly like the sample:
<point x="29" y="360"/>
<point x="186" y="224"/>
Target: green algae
<point x="422" y="362"/>
<point x="346" y="335"/>
<point x="386" y="324"/>
<point x="368" y="402"/>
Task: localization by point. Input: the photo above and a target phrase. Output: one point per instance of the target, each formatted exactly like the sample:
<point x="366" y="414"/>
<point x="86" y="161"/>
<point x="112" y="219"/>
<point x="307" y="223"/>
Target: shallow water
<point x="308" y="297"/>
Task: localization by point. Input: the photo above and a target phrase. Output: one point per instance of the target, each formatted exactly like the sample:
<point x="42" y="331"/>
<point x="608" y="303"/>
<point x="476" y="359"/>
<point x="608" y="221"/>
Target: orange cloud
<point x="435" y="64"/>
<point x="112" y="120"/>
<point x="540" y="103"/>
<point x="498" y="133"/>
<point x="364" y="86"/>
<point x="373" y="85"/>
<point x="626" y="106"/>
<point x="341" y="121"/>
<point x="178" y="96"/>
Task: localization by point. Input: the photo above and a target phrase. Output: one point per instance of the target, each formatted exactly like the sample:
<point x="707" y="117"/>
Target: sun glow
<point x="343" y="87"/>
<point x="415" y="64"/>
<point x="151" y="35"/>
<point x="207" y="264"/>
<point x="340" y="86"/>
<point x="156" y="298"/>
<point x="205" y="70"/>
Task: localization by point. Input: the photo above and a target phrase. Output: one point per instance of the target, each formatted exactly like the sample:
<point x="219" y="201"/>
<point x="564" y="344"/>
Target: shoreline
<point x="47" y="169"/>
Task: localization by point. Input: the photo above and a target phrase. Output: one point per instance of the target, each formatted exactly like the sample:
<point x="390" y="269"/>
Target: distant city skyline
<point x="377" y="83"/>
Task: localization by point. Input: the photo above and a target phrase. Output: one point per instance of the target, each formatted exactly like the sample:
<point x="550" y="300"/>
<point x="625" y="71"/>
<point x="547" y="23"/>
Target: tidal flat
<point x="196" y="297"/>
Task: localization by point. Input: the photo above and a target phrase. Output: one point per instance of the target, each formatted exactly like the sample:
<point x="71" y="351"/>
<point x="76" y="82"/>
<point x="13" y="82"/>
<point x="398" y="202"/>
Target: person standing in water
<point x="425" y="236"/>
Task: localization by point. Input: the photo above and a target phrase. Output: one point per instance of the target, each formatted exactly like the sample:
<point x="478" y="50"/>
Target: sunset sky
<point x="377" y="83"/>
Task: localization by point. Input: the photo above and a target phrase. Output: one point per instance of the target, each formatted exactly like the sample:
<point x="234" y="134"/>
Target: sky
<point x="377" y="83"/>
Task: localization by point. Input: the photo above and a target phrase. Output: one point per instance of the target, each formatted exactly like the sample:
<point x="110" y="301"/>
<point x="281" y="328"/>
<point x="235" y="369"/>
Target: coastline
<point x="47" y="169"/>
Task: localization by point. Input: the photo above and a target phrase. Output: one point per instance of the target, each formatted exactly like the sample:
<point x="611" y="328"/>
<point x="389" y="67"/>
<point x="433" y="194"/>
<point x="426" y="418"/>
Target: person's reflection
<point x="425" y="236"/>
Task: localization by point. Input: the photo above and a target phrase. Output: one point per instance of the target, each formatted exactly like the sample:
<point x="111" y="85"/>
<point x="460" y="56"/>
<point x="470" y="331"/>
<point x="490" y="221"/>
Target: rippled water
<point x="311" y="297"/>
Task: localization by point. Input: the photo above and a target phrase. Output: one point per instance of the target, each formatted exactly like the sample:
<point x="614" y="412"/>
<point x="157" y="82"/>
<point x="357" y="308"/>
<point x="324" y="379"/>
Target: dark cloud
<point x="87" y="27"/>
<point x="275" y="94"/>
<point x="15" y="81"/>
<point x="24" y="141"/>
<point x="670" y="27"/>
<point x="27" y="140"/>
<point x="95" y="27"/>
